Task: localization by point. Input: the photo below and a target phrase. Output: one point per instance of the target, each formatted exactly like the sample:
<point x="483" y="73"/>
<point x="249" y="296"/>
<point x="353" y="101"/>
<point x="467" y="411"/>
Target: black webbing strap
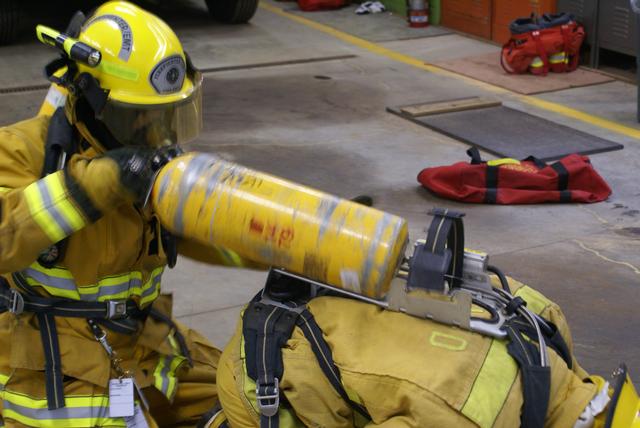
<point x="313" y="333"/>
<point x="67" y="308"/>
<point x="120" y="316"/>
<point x="57" y="64"/>
<point x="491" y="185"/>
<point x="53" y="364"/>
<point x="441" y="257"/>
<point x="536" y="161"/>
<point x="266" y="329"/>
<point x="536" y="380"/>
<point x="474" y="154"/>
<point x="60" y="145"/>
<point x="552" y="337"/>
<point x="184" y="349"/>
<point x="92" y="92"/>
<point x="563" y="181"/>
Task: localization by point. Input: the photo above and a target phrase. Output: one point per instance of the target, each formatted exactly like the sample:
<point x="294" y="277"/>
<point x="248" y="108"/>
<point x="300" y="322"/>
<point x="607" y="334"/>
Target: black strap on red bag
<point x="533" y="37"/>
<point x="491" y="194"/>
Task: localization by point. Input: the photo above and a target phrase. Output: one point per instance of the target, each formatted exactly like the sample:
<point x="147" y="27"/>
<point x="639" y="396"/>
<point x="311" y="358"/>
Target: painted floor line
<point x="299" y="61"/>
<point x="418" y="63"/>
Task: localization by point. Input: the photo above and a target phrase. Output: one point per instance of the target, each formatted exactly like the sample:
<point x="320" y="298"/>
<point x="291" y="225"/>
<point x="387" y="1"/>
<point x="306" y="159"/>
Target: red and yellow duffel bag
<point x="539" y="45"/>
<point x="509" y="181"/>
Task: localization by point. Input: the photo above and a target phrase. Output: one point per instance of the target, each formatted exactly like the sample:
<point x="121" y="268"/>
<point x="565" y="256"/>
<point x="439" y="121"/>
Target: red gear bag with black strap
<point x="550" y="43"/>
<point x="509" y="181"/>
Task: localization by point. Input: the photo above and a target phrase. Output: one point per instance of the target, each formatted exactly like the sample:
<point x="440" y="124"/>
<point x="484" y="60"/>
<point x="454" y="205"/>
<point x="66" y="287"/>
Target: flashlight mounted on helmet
<point x="130" y="81"/>
<point x="74" y="49"/>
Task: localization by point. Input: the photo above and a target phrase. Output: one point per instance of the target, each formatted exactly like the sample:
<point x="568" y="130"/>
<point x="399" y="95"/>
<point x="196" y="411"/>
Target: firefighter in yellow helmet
<point x="86" y="338"/>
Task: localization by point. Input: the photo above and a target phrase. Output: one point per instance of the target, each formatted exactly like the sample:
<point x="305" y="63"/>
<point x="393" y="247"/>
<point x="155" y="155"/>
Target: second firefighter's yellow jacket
<point x="405" y="371"/>
<point x="112" y="252"/>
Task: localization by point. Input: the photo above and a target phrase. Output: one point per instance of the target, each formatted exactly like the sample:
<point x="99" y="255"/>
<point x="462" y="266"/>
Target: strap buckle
<point x="266" y="393"/>
<point x="16" y="302"/>
<point x="116" y="309"/>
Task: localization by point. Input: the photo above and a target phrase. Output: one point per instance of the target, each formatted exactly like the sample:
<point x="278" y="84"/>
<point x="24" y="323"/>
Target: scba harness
<point x="123" y="316"/>
<point x="439" y="266"/>
<point x="539" y="45"/>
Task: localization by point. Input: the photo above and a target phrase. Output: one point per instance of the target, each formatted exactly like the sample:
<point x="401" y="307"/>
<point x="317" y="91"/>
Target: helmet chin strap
<point x="98" y="132"/>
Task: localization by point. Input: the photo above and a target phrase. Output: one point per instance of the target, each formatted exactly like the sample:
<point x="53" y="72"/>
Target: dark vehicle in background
<point x="14" y="13"/>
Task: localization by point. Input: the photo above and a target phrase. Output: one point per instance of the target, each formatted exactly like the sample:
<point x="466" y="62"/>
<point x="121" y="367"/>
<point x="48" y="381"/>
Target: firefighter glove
<point x="120" y="176"/>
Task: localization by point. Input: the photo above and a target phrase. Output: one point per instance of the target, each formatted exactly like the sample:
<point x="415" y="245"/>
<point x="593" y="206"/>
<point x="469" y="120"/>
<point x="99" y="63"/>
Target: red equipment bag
<point x="313" y="5"/>
<point x="551" y="43"/>
<point x="508" y="181"/>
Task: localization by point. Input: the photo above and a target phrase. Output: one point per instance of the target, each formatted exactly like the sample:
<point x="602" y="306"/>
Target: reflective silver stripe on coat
<point x="130" y="283"/>
<point x="52" y="208"/>
<point x="98" y="412"/>
<point x="50" y="281"/>
<point x="110" y="290"/>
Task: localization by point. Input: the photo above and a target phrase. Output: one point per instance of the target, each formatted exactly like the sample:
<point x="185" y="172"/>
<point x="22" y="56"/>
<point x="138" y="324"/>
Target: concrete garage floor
<point x="316" y="115"/>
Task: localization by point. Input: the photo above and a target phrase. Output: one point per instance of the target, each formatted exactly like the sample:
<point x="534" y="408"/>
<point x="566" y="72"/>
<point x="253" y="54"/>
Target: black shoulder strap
<point x="61" y="141"/>
<point x="60" y="145"/>
<point x="266" y="329"/>
<point x="322" y="351"/>
<point x="536" y="380"/>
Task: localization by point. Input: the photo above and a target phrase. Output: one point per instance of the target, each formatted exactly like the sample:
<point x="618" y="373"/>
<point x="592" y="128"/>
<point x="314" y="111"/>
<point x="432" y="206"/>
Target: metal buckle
<point x="16" y="302"/>
<point x="116" y="309"/>
<point x="268" y="409"/>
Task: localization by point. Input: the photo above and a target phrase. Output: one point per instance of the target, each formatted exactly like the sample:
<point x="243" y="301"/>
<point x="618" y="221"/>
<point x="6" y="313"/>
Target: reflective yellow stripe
<point x="57" y="423"/>
<point x="5" y="189"/>
<point x="492" y="386"/>
<point x="52" y="208"/>
<point x="56" y="271"/>
<point x="503" y="161"/>
<point x="79" y="412"/>
<point x="41" y="215"/>
<point x="54" y="291"/>
<point x="173" y="381"/>
<point x="165" y="373"/>
<point x="60" y="282"/>
<point x="164" y="376"/>
<point x="537" y="62"/>
<point x="70" y="401"/>
<point x="557" y="58"/>
<point x="118" y="70"/>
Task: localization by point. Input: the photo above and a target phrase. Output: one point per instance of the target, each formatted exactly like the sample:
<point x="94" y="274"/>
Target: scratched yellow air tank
<point x="280" y="223"/>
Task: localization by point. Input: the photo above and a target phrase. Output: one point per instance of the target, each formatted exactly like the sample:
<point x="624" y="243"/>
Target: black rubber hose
<point x="501" y="277"/>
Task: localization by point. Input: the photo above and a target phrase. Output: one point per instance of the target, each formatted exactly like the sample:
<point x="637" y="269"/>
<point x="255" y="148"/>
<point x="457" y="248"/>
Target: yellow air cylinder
<point x="280" y="223"/>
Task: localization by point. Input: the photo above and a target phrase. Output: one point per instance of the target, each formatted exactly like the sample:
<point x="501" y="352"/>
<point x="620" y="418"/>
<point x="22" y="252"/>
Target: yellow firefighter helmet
<point x="129" y="79"/>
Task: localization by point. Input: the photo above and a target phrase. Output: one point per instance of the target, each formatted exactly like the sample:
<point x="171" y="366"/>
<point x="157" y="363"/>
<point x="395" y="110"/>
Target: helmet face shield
<point x="155" y="125"/>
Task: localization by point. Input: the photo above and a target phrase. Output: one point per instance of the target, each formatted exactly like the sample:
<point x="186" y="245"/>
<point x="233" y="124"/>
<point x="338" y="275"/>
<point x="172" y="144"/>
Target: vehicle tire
<point x="232" y="11"/>
<point x="9" y="21"/>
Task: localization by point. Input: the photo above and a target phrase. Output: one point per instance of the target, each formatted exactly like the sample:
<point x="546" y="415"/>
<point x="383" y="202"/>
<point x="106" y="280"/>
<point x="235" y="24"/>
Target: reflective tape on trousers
<point x="79" y="411"/>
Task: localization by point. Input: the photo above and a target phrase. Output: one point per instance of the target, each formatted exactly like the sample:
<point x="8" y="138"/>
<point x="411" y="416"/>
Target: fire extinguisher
<point x="418" y="13"/>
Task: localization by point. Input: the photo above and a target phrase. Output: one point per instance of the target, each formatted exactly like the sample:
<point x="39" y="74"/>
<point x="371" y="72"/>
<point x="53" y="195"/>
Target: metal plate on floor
<point x="511" y="133"/>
